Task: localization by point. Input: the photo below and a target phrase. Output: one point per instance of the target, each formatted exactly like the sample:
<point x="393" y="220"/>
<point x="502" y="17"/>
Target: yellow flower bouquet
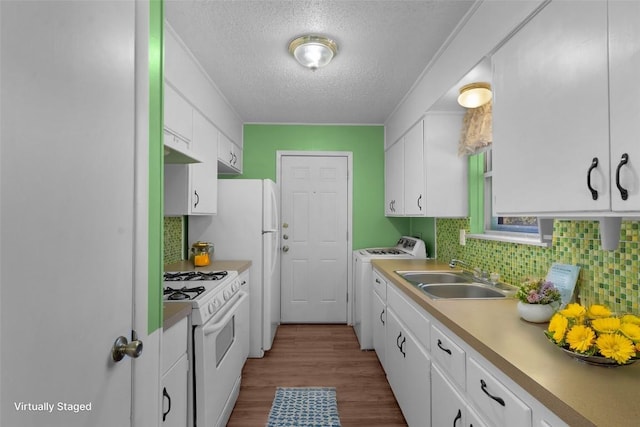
<point x="594" y="333"/>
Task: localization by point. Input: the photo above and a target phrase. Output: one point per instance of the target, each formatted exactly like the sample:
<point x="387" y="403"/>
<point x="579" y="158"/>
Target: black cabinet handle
<point x="594" y="192"/>
<point x="165" y="394"/>
<point x="404" y="340"/>
<point x="458" y="417"/>
<point x="398" y="339"/>
<point x="197" y="198"/>
<point x="483" y="386"/>
<point x="381" y="314"/>
<point x="623" y="191"/>
<point x="446" y="350"/>
<point x="419" y="205"/>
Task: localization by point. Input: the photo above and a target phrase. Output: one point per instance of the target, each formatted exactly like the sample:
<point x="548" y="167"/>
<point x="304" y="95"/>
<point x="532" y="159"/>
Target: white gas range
<point x="406" y="247"/>
<point x="218" y="343"/>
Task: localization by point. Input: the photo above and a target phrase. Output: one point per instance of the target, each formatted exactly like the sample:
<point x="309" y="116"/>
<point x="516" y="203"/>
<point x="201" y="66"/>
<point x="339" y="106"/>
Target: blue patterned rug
<point x="304" y="407"/>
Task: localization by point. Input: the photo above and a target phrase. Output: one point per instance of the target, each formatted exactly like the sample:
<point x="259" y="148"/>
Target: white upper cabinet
<point x="178" y="128"/>
<point x="414" y="171"/>
<point x="559" y="84"/>
<point x="193" y="189"/>
<point x="394" y="179"/>
<point x="424" y="176"/>
<point x="624" y="60"/>
<point x="229" y="156"/>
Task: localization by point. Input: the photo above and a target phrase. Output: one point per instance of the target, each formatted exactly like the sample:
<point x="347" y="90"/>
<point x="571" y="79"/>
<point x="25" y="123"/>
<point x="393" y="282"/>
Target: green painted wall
<point x="156" y="166"/>
<point x="370" y="226"/>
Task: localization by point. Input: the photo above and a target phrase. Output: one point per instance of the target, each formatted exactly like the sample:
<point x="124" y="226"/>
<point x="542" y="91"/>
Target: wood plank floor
<point x="318" y="355"/>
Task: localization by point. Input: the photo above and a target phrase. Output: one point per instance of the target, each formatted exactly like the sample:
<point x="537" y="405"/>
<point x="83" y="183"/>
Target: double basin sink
<point x="454" y="285"/>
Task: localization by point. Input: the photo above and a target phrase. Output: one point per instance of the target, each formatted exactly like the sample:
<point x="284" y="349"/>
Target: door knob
<point x="121" y="347"/>
<point x="285" y="248"/>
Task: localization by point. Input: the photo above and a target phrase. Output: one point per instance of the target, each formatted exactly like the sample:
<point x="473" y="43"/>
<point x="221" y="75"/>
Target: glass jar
<point x="201" y="254"/>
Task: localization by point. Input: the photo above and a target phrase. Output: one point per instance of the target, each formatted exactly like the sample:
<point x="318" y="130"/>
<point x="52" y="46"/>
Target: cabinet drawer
<point x="448" y="355"/>
<point x="174" y="344"/>
<point x="380" y="286"/>
<point x="499" y="405"/>
<point x="411" y="315"/>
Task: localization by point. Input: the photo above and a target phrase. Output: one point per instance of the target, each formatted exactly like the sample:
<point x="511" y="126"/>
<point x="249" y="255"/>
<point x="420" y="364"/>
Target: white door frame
<point x="349" y="156"/>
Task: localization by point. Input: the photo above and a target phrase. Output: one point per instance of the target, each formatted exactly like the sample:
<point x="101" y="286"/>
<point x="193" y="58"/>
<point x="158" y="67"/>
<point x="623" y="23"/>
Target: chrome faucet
<point x="475" y="271"/>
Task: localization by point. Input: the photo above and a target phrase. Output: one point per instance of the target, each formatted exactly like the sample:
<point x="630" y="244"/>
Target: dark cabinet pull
<point x="594" y="192"/>
<point x="398" y="339"/>
<point x="419" y="205"/>
<point x="404" y="340"/>
<point x="446" y="350"/>
<point x="197" y="198"/>
<point x="458" y="417"/>
<point x="378" y="281"/>
<point x="623" y="191"/>
<point x="165" y="394"/>
<point x="381" y="314"/>
<point x="483" y="386"/>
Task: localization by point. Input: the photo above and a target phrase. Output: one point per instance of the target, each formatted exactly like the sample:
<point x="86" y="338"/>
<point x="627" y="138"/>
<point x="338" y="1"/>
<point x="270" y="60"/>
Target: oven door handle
<point x="218" y="325"/>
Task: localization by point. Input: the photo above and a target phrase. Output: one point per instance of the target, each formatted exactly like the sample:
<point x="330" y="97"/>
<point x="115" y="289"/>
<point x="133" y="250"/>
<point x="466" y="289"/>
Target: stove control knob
<point x="226" y="294"/>
<point x="213" y="306"/>
<point x="235" y="287"/>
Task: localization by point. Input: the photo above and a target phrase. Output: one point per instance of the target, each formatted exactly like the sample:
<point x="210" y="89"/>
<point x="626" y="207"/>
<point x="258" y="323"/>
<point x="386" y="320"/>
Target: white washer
<point x="407" y="247"/>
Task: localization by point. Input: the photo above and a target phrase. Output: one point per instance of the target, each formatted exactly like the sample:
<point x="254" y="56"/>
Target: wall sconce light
<point x="313" y="51"/>
<point x="474" y="95"/>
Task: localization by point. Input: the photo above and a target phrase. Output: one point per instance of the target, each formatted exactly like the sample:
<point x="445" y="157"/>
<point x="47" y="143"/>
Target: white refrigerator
<point x="247" y="228"/>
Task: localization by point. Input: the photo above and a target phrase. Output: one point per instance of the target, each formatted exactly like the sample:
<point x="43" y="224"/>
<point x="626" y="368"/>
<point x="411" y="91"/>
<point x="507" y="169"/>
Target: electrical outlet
<point x="463" y="237"/>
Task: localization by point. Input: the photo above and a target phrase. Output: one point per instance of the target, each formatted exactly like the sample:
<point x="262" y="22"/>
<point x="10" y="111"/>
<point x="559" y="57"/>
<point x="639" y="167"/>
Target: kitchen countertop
<point x="580" y="394"/>
<point x="173" y="312"/>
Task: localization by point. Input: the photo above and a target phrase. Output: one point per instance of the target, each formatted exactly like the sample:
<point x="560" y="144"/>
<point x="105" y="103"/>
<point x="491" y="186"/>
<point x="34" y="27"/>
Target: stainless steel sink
<point x="456" y="285"/>
<point x="461" y="291"/>
<point x="418" y="277"/>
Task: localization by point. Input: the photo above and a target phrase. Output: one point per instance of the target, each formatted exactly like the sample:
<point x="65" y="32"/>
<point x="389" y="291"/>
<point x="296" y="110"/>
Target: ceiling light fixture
<point x="313" y="51"/>
<point x="474" y="95"/>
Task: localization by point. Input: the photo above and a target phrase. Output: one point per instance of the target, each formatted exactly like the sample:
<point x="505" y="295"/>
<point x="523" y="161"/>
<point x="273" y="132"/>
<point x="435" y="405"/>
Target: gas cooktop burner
<point x="183" y="293"/>
<point x="194" y="275"/>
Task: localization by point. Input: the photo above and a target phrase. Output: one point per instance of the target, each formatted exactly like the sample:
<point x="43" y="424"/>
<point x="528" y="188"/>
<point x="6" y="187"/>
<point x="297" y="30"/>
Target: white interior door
<point x="315" y="256"/>
<point x="67" y="211"/>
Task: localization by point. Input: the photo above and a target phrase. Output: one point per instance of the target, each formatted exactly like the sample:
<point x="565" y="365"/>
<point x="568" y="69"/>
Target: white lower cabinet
<point x="408" y="372"/>
<point x="437" y="378"/>
<point x="448" y="406"/>
<point x="175" y="370"/>
<point x="379" y="320"/>
<point x="496" y="402"/>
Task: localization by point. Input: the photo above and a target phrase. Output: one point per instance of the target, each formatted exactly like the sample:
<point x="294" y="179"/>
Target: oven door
<point x="219" y="354"/>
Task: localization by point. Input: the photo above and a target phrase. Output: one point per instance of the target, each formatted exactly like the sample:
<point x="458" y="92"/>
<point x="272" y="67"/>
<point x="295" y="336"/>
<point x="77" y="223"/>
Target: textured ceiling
<point x="384" y="46"/>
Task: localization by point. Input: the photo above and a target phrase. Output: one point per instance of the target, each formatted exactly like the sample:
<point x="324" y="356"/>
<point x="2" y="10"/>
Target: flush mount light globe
<point x="474" y="95"/>
<point x="313" y="51"/>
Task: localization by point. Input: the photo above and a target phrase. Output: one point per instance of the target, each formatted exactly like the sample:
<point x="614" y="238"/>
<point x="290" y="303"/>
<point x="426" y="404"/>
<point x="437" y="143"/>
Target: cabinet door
<point x="446" y="186"/>
<point x="178" y="114"/>
<point x="624" y="51"/>
<point x="551" y="115"/>
<point x="225" y="155"/>
<point x="394" y="180"/>
<point x="174" y="394"/>
<point x="414" y="171"/>
<point x="409" y="372"/>
<point x="379" y="319"/>
<point x="448" y="407"/>
<point x="204" y="176"/>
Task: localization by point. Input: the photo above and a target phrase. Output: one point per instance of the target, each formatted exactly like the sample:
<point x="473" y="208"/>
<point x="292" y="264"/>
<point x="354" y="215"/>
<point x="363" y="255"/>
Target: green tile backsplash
<point x="173" y="232"/>
<point x="606" y="277"/>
